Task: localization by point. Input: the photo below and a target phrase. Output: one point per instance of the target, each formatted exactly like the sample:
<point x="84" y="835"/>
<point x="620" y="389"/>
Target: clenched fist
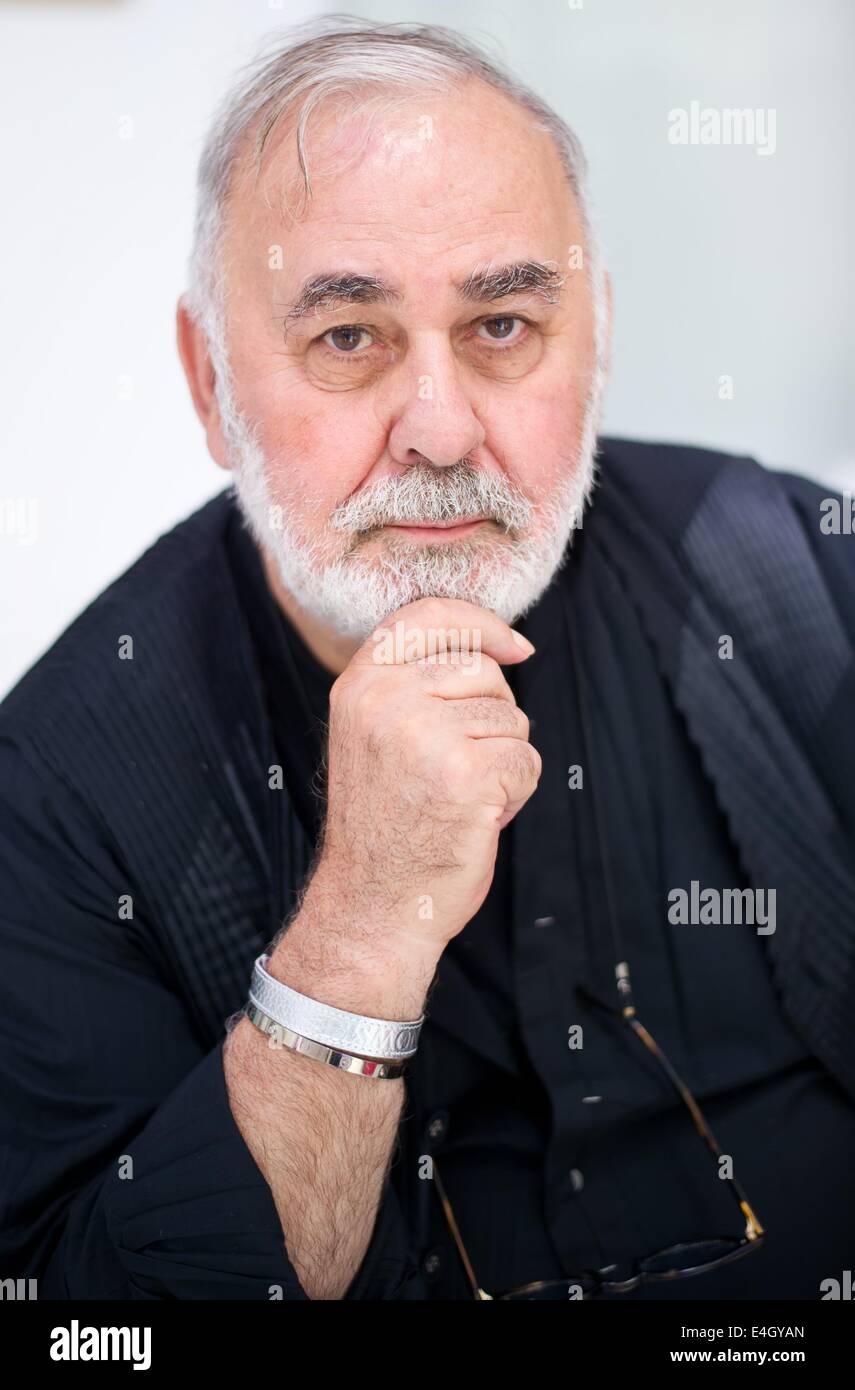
<point x="428" y="759"/>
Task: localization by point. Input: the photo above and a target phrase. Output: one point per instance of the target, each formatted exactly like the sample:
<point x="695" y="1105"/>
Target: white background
<point x="724" y="261"/>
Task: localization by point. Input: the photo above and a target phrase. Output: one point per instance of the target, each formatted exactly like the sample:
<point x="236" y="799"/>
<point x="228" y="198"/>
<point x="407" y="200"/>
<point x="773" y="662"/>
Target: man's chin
<point x="384" y="571"/>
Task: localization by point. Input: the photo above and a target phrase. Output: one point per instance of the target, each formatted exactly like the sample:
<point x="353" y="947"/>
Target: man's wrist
<point x="329" y="962"/>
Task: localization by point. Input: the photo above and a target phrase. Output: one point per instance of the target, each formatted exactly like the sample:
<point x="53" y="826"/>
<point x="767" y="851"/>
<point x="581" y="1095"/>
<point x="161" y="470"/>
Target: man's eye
<point x="501" y="329"/>
<point x="346" y="339"/>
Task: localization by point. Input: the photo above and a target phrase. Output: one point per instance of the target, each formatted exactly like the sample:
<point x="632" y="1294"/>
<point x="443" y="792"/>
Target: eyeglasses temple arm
<point x="461" y="1248"/>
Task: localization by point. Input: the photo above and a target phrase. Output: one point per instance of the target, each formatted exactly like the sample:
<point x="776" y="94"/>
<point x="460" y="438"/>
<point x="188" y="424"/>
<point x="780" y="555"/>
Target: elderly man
<point x="410" y="892"/>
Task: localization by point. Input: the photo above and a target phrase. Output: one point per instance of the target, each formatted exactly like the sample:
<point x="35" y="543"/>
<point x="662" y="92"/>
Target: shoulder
<point x="758" y="521"/>
<point x="651" y="465"/>
<point x="672" y="480"/>
<point x="656" y="462"/>
<point x="132" y="645"/>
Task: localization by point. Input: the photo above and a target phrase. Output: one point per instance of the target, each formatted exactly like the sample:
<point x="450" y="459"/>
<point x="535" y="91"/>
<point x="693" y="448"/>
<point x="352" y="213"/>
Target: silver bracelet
<point x="377" y="1038"/>
<point x="345" y="1061"/>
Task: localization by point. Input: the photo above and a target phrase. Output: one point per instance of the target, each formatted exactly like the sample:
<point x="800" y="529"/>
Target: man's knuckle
<point x="521" y="763"/>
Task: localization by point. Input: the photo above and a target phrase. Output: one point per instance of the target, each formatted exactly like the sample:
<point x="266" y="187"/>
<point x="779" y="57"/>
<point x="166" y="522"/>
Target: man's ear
<point x="199" y="371"/>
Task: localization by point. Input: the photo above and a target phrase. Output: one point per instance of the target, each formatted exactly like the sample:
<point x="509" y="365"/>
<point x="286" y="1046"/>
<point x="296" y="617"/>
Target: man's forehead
<point x="379" y="229"/>
<point x="424" y="170"/>
<point x="469" y="121"/>
<point x="450" y="249"/>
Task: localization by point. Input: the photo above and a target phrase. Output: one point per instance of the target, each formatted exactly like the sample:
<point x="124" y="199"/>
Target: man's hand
<point x="428" y="759"/>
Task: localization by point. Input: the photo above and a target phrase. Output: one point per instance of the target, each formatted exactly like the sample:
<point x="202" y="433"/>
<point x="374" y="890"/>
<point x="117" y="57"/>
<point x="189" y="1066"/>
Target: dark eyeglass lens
<point x="574" y="1287"/>
<point x="684" y="1257"/>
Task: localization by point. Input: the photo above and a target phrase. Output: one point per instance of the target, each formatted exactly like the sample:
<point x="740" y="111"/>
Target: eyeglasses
<point x="677" y="1261"/>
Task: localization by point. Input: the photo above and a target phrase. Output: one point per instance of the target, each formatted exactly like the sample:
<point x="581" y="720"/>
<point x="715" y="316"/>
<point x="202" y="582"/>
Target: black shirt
<point x="576" y="1158"/>
<point x="146" y="859"/>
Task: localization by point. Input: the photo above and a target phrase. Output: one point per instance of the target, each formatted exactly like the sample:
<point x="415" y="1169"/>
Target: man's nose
<point x="435" y="420"/>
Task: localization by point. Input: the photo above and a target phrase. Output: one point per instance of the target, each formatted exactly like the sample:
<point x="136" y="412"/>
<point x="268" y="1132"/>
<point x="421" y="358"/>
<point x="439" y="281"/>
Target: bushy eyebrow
<point x="329" y="290"/>
<point x="483" y="285"/>
<point x="519" y="277"/>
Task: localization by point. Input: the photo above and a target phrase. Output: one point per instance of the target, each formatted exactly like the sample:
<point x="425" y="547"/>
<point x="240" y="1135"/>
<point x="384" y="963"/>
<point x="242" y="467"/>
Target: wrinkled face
<point x="415" y="389"/>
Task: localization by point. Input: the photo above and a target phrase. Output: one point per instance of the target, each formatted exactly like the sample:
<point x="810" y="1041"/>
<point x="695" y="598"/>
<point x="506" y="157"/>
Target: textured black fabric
<point x="731" y="554"/>
<point x="707" y="994"/>
<point x="151" y="778"/>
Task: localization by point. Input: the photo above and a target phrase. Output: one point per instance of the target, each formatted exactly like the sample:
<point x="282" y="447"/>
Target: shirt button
<point x="544" y="921"/>
<point x="437" y="1126"/>
<point x="577" y="1180"/>
<point x="432" y="1264"/>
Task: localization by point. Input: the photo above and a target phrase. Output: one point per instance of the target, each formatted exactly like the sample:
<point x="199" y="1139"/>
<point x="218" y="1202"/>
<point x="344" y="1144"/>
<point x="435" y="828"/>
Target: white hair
<point x="345" y="56"/>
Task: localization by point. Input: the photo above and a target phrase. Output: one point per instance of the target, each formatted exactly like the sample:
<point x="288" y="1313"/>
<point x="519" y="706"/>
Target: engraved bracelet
<point x="347" y="1032"/>
<point x="334" y="1057"/>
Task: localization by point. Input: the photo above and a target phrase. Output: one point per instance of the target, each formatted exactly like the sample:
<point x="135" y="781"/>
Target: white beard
<point x="503" y="568"/>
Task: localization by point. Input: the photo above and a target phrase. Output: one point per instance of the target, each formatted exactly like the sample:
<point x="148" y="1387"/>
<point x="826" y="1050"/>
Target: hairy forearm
<point x="323" y="1139"/>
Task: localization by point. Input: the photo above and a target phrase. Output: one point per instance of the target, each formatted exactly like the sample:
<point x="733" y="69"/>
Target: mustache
<point x="424" y="495"/>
